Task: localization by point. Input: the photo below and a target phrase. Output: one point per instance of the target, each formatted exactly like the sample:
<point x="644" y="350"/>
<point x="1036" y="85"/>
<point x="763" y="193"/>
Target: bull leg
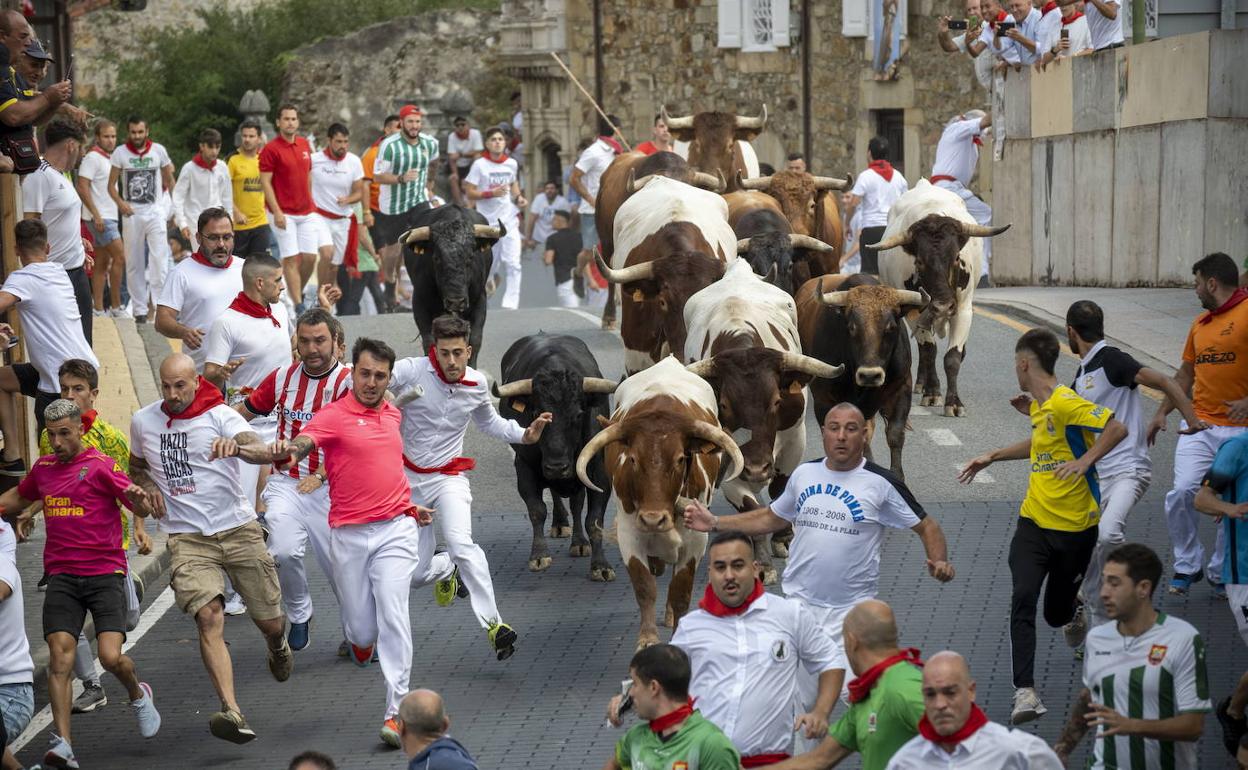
<point x="599" y="569"/>
<point x="762" y="546"/>
<point x="644" y="590"/>
<point x="680" y="593"/>
<point x="953" y="364"/>
<point x="580" y="544"/>
<point x="531" y="493"/>
<point x="927" y="370"/>
<point x="866" y="449"/>
<point x="780" y="540"/>
<point x="559" y="525"/>
<point x="895" y="418"/>
<point x="608" y="310"/>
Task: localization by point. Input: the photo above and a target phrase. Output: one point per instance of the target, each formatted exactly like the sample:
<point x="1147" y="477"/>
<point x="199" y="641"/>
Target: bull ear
<point x="603" y="421"/>
<point x="703" y="447"/>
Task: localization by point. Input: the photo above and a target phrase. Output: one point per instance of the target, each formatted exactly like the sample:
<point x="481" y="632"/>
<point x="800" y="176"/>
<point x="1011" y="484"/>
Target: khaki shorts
<point x="198" y="561"/>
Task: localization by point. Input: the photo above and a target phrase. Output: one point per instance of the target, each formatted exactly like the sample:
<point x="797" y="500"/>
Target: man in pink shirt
<point x="82" y="491"/>
<point x="378" y="537"/>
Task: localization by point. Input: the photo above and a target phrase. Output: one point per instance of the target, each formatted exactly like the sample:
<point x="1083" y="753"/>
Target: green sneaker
<point x="445" y="591"/>
<point x="503" y="639"/>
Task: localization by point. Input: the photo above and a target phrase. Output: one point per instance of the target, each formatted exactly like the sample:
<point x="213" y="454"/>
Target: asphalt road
<point x="543" y="707"/>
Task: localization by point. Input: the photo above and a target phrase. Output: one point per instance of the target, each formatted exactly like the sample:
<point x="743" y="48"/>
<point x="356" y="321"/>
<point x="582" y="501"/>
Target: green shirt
<point x="697" y="745"/>
<point x="396" y="156"/>
<point x="880" y="725"/>
<point x="366" y="262"/>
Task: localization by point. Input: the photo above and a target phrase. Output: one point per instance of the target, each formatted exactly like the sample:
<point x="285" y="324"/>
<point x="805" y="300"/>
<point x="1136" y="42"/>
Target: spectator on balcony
<point x="795" y="162"/>
<point x="957" y="155"/>
<point x="962" y="42"/>
<point x="1104" y="24"/>
<point x="875" y="191"/>
<point x="1025" y="36"/>
<point x="1072" y="37"/>
<point x="32" y="65"/>
<point x="23" y="107"/>
<point x="1050" y="26"/>
<point x="989" y="36"/>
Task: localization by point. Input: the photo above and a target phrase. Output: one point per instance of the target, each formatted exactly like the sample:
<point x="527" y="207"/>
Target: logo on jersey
<point x="300" y="415"/>
<point x="779" y="650"/>
<point x="1157" y="654"/>
<point x="1088" y="381"/>
<point x="680" y="766"/>
<point x="1212" y="356"/>
<point x="1048" y="425"/>
<point x="1229" y="330"/>
<point x="82" y="472"/>
<point x="360" y="421"/>
<point x="834" y="490"/>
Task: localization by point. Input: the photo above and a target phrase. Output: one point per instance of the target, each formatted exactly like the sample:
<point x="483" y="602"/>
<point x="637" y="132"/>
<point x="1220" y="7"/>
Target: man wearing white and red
<point x="587" y="176"/>
<point x="438" y="395"/>
<point x="493" y="182"/>
<point x="296" y="497"/>
<point x="378" y="538"/>
<point x="82" y="491"/>
<point x="145" y="173"/>
<point x="337" y="182"/>
<point x="876" y="190"/>
<point x="285" y="168"/>
<point x="199" y="289"/>
<point x="957" y="156"/>
<point x="204" y="183"/>
<point x="184" y="452"/>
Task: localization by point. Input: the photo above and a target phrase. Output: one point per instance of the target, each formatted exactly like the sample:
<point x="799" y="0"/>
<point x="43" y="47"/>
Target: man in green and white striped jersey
<point x="1146" y="687"/>
<point x="404" y="170"/>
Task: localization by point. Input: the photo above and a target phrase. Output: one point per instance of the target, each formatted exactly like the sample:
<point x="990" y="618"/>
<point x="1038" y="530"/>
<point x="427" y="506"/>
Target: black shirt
<point x="13" y="88"/>
<point x="566" y="244"/>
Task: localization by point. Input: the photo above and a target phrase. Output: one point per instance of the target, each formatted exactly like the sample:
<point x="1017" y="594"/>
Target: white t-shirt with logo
<point x="592" y="163"/>
<point x="486" y="174"/>
<point x="464" y="147"/>
<point x="262" y="346"/>
<point x="878" y="195"/>
<point x="142" y="184"/>
<point x="49" y="194"/>
<point x="333" y="179"/>
<point x="199" y="295"/>
<point x="201" y="494"/>
<point x="544" y="210"/>
<point x="96" y="167"/>
<point x="50" y="320"/>
<point x="838" y="519"/>
<point x="16" y="665"/>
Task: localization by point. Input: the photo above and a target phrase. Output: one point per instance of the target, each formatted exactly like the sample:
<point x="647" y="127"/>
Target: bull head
<point x="967" y="229"/>
<point x="936" y="242"/>
<point x="451" y="245"/>
<point x="713" y="435"/>
<point x="684" y="123"/>
<point x="763" y="183"/>
<point x="872" y="316"/>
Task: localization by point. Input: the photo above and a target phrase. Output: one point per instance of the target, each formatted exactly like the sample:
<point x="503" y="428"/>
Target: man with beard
<point x="251" y="221"/>
<point x="285" y="166"/>
<point x="141" y="174"/>
<point x="337" y="183"/>
<point x="407" y="161"/>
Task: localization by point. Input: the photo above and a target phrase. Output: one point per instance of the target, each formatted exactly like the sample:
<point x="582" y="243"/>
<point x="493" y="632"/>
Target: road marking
<point x="983" y="477"/>
<point x="154" y="613"/>
<point x="920" y="411"/>
<point x="943" y="437"/>
<point x="593" y="319"/>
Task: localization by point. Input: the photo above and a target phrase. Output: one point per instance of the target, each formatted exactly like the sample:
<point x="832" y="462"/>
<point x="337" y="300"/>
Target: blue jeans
<point x="589" y="232"/>
<point x="17" y="706"/>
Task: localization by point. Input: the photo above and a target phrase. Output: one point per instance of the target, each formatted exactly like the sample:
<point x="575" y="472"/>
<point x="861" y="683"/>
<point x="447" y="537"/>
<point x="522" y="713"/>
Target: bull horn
<point x="812" y="366"/>
<point x="753" y="183"/>
<point x="635" y="184"/>
<point x="598" y="385"/>
<point x="898" y="239"/>
<point x="517" y="388"/>
<point x="831" y="182"/>
<point x="798" y="241"/>
<point x="415" y="235"/>
<point x="593" y="447"/>
<point x="704" y="368"/>
<point x="832" y="298"/>
<point x="717" y="436"/>
<point x="756" y="123"/>
<point x="486" y="231"/>
<point x="714" y="183"/>
<point x="684" y="121"/>
<point x="981" y="231"/>
<point x="640" y="272"/>
<point x="908" y="297"/>
<point x="743" y="245"/>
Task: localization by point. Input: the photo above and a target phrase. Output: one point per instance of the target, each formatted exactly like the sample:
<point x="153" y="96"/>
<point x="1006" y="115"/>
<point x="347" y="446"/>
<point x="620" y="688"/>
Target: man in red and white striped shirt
<point x="296" y="497"/>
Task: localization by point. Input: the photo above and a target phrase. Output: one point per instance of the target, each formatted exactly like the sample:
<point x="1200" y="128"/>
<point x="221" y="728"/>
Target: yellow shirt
<point x="248" y="192"/>
<point x="1062" y="429"/>
<point x="1218" y="354"/>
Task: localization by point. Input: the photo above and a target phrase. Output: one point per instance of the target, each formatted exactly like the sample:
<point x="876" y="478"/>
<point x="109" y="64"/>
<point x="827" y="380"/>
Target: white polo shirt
<point x="838" y="520"/>
<point x="201" y="494"/>
<point x="956" y="152"/>
<point x="1103" y="30"/>
<point x="1080" y="37"/>
<point x="745" y="668"/>
<point x="49" y="194"/>
<point x="991" y="747"/>
<point x="198" y="189"/>
<point x="486" y="174"/>
<point x="1049" y="30"/>
<point x="95" y="166"/>
<point x="50" y="320"/>
<point x="592" y="163"/>
<point x="464" y="147"/>
<point x="333" y="179"/>
<point x="1106" y="376"/>
<point x="261" y="344"/>
<point x="1007" y="52"/>
<point x="199" y="294"/>
<point x="878" y="195"/>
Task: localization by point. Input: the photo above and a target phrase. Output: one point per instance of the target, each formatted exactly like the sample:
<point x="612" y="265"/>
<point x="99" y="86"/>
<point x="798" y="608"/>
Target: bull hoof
<point x="770" y="576"/>
<point x="602" y="575"/>
<point x="646" y="640"/>
<point x="579" y="549"/>
<point x="609" y="326"/>
<point x="561" y="532"/>
<point x="930" y="401"/>
<point x="539" y="565"/>
<point x="956" y="410"/>
<point x="779" y="550"/>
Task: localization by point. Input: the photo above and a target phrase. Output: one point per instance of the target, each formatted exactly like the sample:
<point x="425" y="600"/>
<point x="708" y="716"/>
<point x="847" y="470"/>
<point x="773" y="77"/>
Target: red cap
<point x="409" y="109"/>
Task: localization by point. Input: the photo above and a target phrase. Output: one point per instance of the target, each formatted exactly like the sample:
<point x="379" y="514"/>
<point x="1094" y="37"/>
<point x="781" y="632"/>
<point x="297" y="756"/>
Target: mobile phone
<point x="626" y="699"/>
<point x="13" y="340"/>
<point x="957" y="24"/>
<point x="1065" y="34"/>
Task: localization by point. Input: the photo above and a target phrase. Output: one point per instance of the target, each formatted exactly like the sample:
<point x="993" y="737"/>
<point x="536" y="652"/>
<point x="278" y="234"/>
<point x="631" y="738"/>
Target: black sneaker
<point x="1233" y="730"/>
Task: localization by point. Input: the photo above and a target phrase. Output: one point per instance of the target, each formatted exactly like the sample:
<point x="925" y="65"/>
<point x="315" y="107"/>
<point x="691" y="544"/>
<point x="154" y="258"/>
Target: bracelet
<point x="715" y="524"/>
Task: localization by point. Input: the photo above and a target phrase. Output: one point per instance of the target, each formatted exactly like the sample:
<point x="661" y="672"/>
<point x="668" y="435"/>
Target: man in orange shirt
<point x="372" y="191"/>
<point x="1215" y="373"/>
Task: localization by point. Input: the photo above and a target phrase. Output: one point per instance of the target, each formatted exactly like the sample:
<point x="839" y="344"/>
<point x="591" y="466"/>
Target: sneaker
<point x="15" y="468"/>
<point x="503" y="639"/>
<point x="142" y="319"/>
<point x="99" y="313"/>
<point x="121" y="312"/>
<point x="234" y="605"/>
<point x="42" y="585"/>
<point x="445" y="591"/>
<point x="281" y="662"/>
<point x="1233" y="730"/>
<point x="390" y="733"/>
<point x="362" y="656"/>
<point x="299" y="635"/>
<point x="92" y="698"/>
<point x="145" y="710"/>
<point x="1218" y="589"/>
<point x="60" y="754"/>
<point x="1077" y="629"/>
<point x="344" y="649"/>
<point x="1027" y="706"/>
<point x="1181" y="583"/>
<point x="229" y="725"/>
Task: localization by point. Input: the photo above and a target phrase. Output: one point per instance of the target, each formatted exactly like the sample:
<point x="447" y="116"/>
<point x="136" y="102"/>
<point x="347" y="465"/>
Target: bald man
<point x="185" y="452"/>
<point x="423" y="726"/>
<point x="955" y="733"/>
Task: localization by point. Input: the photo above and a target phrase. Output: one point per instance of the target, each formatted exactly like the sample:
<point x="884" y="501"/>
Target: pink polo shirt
<point x="81" y="504"/>
<point x="363" y="452"/>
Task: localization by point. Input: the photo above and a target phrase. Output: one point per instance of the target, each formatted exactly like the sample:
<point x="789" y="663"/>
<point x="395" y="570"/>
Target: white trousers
<point x="147" y="257"/>
<point x="295" y="521"/>
<point x="566" y="292"/>
<point x="248" y="474"/>
<point x="832" y="621"/>
<point x="451" y="499"/>
<point x="1118" y="494"/>
<point x="507" y="261"/>
<point x="374" y="564"/>
<point x="1192" y="457"/>
<point x="981" y="212"/>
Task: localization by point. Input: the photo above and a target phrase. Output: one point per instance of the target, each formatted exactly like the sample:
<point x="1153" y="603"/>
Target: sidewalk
<point x="1152" y="323"/>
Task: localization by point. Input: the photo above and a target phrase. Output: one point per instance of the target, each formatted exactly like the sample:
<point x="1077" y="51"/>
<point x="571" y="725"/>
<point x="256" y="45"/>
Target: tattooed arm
<point x="140" y="473"/>
<point x="1076" y="727"/>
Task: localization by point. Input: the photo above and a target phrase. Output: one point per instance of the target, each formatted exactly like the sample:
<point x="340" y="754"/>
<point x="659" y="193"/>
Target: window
<point x="754" y="26"/>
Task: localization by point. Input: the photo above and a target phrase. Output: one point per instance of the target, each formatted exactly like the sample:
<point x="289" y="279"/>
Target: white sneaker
<point x="234" y="605"/>
<point x="60" y="754"/>
<point x="145" y="710"/>
<point x="99" y="313"/>
<point x="121" y="312"/>
<point x="1027" y="706"/>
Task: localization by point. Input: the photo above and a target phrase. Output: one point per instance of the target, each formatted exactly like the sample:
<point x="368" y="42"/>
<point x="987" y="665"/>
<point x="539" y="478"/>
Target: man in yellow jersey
<point x="1056" y="531"/>
<point x="251" y="223"/>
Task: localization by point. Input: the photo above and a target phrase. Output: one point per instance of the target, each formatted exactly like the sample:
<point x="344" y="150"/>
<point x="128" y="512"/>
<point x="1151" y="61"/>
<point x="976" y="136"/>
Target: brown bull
<point x="810" y="210"/>
<point x="767" y="240"/>
<point x="713" y="141"/>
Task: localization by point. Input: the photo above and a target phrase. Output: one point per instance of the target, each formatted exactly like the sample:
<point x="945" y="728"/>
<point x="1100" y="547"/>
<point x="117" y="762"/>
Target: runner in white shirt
<point x="493" y="183"/>
<point x="542" y="215"/>
<point x="1144" y="676"/>
<point x="463" y="146"/>
<point x="17" y="669"/>
<point x="1104" y="24"/>
<point x="875" y="191"/>
<point x="957" y="156"/>
<point x="337" y="183"/>
<point x="203" y="183"/>
<point x="99" y="210"/>
<point x="585" y="179"/>
<point x="141" y="176"/>
<point x="955" y="733"/>
<point x="437" y="397"/>
<point x="199" y="289"/>
<point x="185" y="452"/>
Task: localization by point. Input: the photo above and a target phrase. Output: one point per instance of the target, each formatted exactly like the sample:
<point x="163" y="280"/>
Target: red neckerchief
<point x="351" y="253"/>
<point x="502" y="159"/>
<point x="671" y="718"/>
<point x="1073" y="17"/>
<point x="712" y="604"/>
<point x="860" y="688"/>
<point x="1239" y="296"/>
<point x="249" y="307"/>
<point x="883" y="168"/>
<point x="1049" y="6"/>
<point x="146" y="148"/>
<point x="207" y="396"/>
<point x="433" y="359"/>
<point x="334" y="157"/>
<point x="198" y="160"/>
<point x="1001" y="16"/>
<point x="88" y="419"/>
<point x="976" y="720"/>
<point x="612" y="143"/>
<point x="202" y="259"/>
<point x="100" y="150"/>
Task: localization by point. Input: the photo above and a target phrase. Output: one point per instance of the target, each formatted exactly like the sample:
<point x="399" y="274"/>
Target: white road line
<point x="983" y="477"/>
<point x="921" y="411"/>
<point x="154" y="613"/>
<point x="942" y="437"/>
<point x="593" y="319"/>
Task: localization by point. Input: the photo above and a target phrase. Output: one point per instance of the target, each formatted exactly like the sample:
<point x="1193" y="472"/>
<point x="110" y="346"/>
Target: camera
<point x="1005" y="26"/>
<point x="957" y="24"/>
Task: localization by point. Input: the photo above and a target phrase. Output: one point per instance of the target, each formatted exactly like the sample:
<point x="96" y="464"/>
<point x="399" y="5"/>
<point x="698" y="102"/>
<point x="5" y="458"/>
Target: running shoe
<point x="281" y="662"/>
<point x="1027" y="706"/>
<point x="299" y="635"/>
<point x="60" y="754"/>
<point x="1219" y="589"/>
<point x="140" y="319"/>
<point x="390" y="733"/>
<point x="1181" y="583"/>
<point x="344" y="649"/>
<point x="503" y="639"/>
<point x="145" y="710"/>
<point x="229" y="725"/>
<point x="1077" y="629"/>
<point x="445" y="591"/>
<point x="120" y="312"/>
<point x="99" y="313"/>
<point x="92" y="698"/>
<point x="234" y="605"/>
<point x="1233" y="730"/>
<point x="362" y="656"/>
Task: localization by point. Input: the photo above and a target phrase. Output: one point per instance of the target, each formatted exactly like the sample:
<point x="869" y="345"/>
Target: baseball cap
<point x="409" y="109"/>
<point x="35" y="50"/>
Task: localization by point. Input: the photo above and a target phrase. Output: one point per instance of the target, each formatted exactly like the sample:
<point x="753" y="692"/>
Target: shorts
<point x="110" y="233"/>
<point x="303" y="235"/>
<point x="17" y="706"/>
<point x="336" y="232"/>
<point x="1238" y="596"/>
<point x="70" y="597"/>
<point x="198" y="560"/>
<point x="589" y="231"/>
<point x="389" y="227"/>
<point x="28" y="380"/>
<point x="252" y="241"/>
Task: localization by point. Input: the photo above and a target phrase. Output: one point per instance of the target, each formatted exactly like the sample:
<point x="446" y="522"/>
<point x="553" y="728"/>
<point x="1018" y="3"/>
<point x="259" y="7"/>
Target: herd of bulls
<point x="733" y="314"/>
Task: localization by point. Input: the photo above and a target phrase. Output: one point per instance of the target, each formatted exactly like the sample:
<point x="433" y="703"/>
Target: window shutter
<point x="780" y="23"/>
<point x="854" y="18"/>
<point x="730" y="23"/>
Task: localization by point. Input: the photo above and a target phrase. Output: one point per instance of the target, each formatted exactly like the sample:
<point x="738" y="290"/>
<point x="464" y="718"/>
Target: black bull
<point x="558" y="374"/>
